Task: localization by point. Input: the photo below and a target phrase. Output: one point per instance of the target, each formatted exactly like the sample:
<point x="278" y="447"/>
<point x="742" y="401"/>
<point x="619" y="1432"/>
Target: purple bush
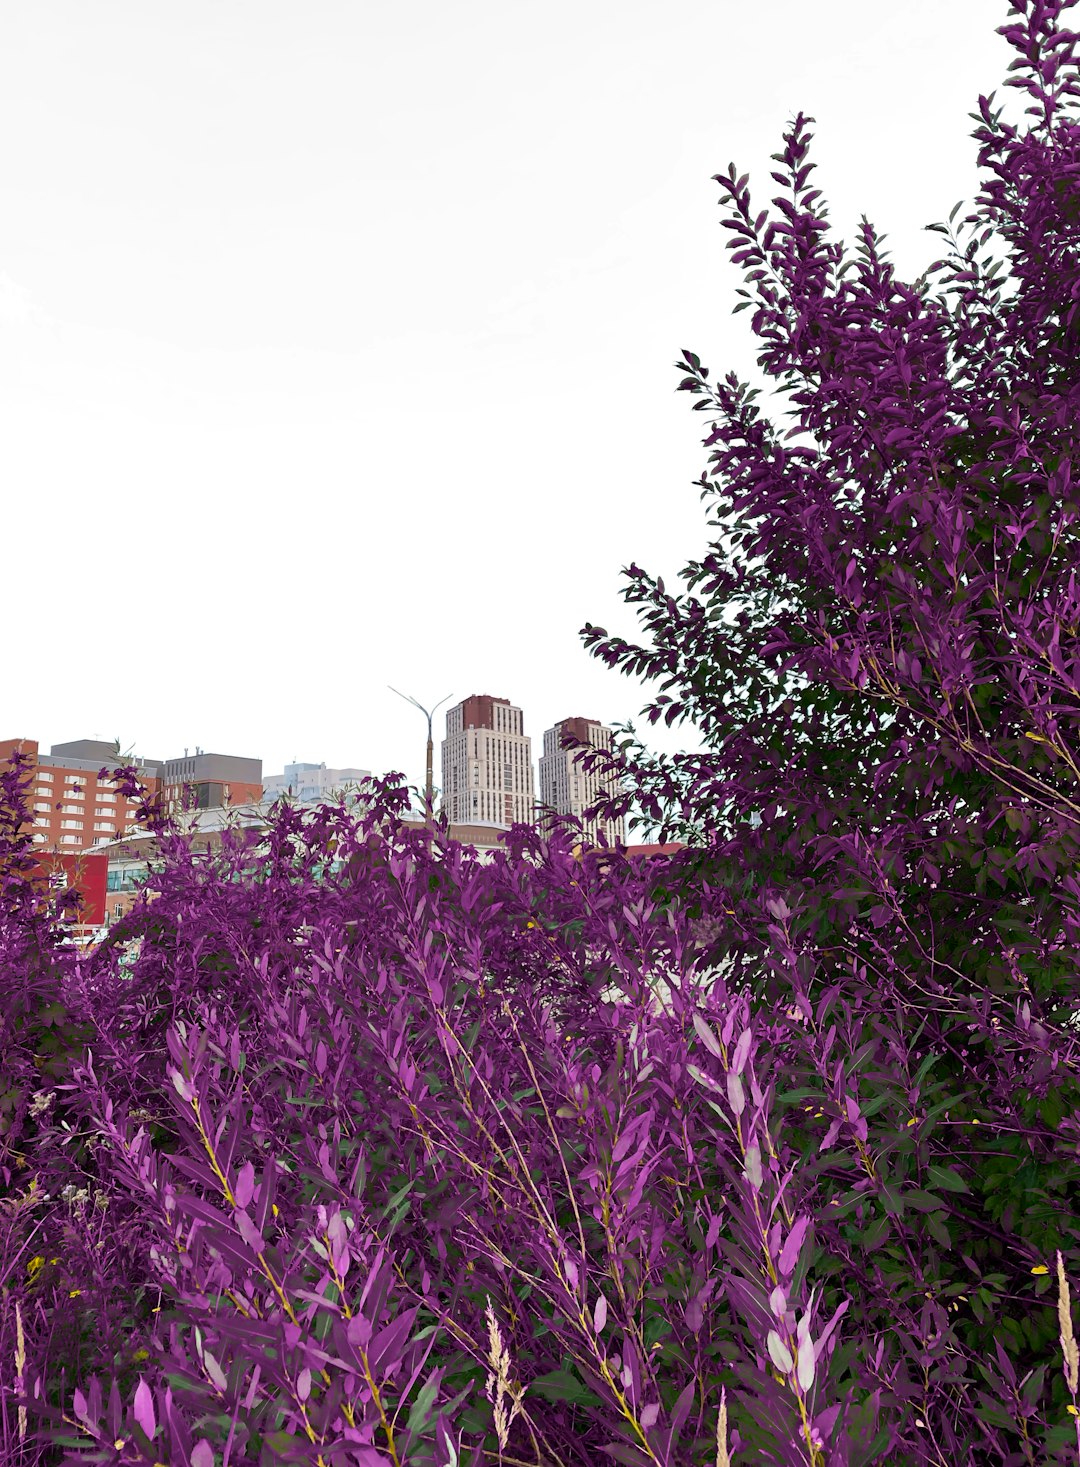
<point x="349" y="1148"/>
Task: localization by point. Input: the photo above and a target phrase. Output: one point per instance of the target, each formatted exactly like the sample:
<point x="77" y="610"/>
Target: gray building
<point x="312" y="782"/>
<point x="207" y="781"/>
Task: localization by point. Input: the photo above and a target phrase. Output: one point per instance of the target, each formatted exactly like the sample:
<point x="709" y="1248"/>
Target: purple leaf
<point x="143" y="1408"/>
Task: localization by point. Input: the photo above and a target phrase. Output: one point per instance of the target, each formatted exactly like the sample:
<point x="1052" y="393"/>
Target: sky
<point x="337" y="339"/>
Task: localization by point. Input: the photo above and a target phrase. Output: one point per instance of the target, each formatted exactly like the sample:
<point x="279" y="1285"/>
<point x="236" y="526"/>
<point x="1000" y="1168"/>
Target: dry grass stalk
<point x="1068" y="1342"/>
<point x="20" y="1366"/>
<point x="499" y="1381"/>
<point x="722" y="1458"/>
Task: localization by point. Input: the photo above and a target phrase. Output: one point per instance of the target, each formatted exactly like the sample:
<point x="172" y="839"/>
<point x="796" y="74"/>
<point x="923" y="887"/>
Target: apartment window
<point x="103" y="810"/>
<point x="101" y="825"/>
<point x="69" y="840"/>
<point x="73" y="779"/>
<point x="101" y="840"/>
<point x="40" y="838"/>
<point x="106" y="795"/>
<point x="42" y="805"/>
<point x="118" y="909"/>
<point x="71" y="825"/>
<point x="41" y="820"/>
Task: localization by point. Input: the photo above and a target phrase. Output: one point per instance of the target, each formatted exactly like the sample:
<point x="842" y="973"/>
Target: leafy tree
<point x="882" y="658"/>
<point x="881" y="649"/>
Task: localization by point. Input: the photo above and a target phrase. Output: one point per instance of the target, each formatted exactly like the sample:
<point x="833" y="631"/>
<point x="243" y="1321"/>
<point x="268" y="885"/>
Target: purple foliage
<point x="347" y="1148"/>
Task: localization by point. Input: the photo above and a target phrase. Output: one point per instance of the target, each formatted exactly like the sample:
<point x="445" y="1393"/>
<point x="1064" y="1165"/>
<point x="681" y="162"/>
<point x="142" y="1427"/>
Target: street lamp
<point x="429" y="792"/>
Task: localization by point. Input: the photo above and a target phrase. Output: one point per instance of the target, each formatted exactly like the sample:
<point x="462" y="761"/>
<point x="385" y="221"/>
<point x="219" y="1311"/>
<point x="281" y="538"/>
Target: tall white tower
<point x="566" y="787"/>
<point x="487" y="774"/>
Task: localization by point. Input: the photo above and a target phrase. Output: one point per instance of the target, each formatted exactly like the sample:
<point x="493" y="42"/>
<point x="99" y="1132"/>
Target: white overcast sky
<point x="336" y="339"/>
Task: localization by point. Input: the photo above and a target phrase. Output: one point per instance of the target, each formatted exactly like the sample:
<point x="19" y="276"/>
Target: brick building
<point x="72" y="809"/>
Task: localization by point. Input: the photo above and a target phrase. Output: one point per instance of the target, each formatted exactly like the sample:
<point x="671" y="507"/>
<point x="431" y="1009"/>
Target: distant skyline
<point x="336" y="341"/>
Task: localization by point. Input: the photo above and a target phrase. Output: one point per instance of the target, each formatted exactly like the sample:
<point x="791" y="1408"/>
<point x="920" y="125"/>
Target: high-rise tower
<point x="566" y="787"/>
<point x="487" y="776"/>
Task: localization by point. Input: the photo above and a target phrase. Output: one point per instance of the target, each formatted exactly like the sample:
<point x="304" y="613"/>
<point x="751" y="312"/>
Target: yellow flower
<point x="275" y="1207"/>
<point x="35" y="1265"/>
<point x="1072" y="1411"/>
<point x="1040" y="1268"/>
<point x="530" y="924"/>
<point x="141" y="1355"/>
<point x="914" y="1121"/>
<point x="74" y="1293"/>
<point x="974" y="1123"/>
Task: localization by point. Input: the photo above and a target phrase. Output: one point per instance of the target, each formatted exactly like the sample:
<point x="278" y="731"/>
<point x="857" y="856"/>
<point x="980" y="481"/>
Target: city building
<point x="487" y="776"/>
<point x="72" y="810"/>
<point x="482" y="840"/>
<point x="204" y="781"/>
<point x="311" y="783"/>
<point x="86" y="873"/>
<point x="566" y="788"/>
<point x="130" y="860"/>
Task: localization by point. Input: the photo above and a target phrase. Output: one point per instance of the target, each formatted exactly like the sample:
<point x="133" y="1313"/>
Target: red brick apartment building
<point x="72" y="810"/>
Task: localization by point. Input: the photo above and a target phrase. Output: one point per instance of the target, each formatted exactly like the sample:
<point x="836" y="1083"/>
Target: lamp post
<point x="428" y="791"/>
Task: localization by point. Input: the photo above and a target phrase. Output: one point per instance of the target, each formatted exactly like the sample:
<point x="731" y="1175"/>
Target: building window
<point x="42" y="805"/>
<point x="71" y="825"/>
<point x="69" y="840"/>
<point x="101" y="825"/>
<point x="44" y="777"/>
<point x="106" y="795"/>
<point x="118" y="909"/>
<point x="103" y="810"/>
